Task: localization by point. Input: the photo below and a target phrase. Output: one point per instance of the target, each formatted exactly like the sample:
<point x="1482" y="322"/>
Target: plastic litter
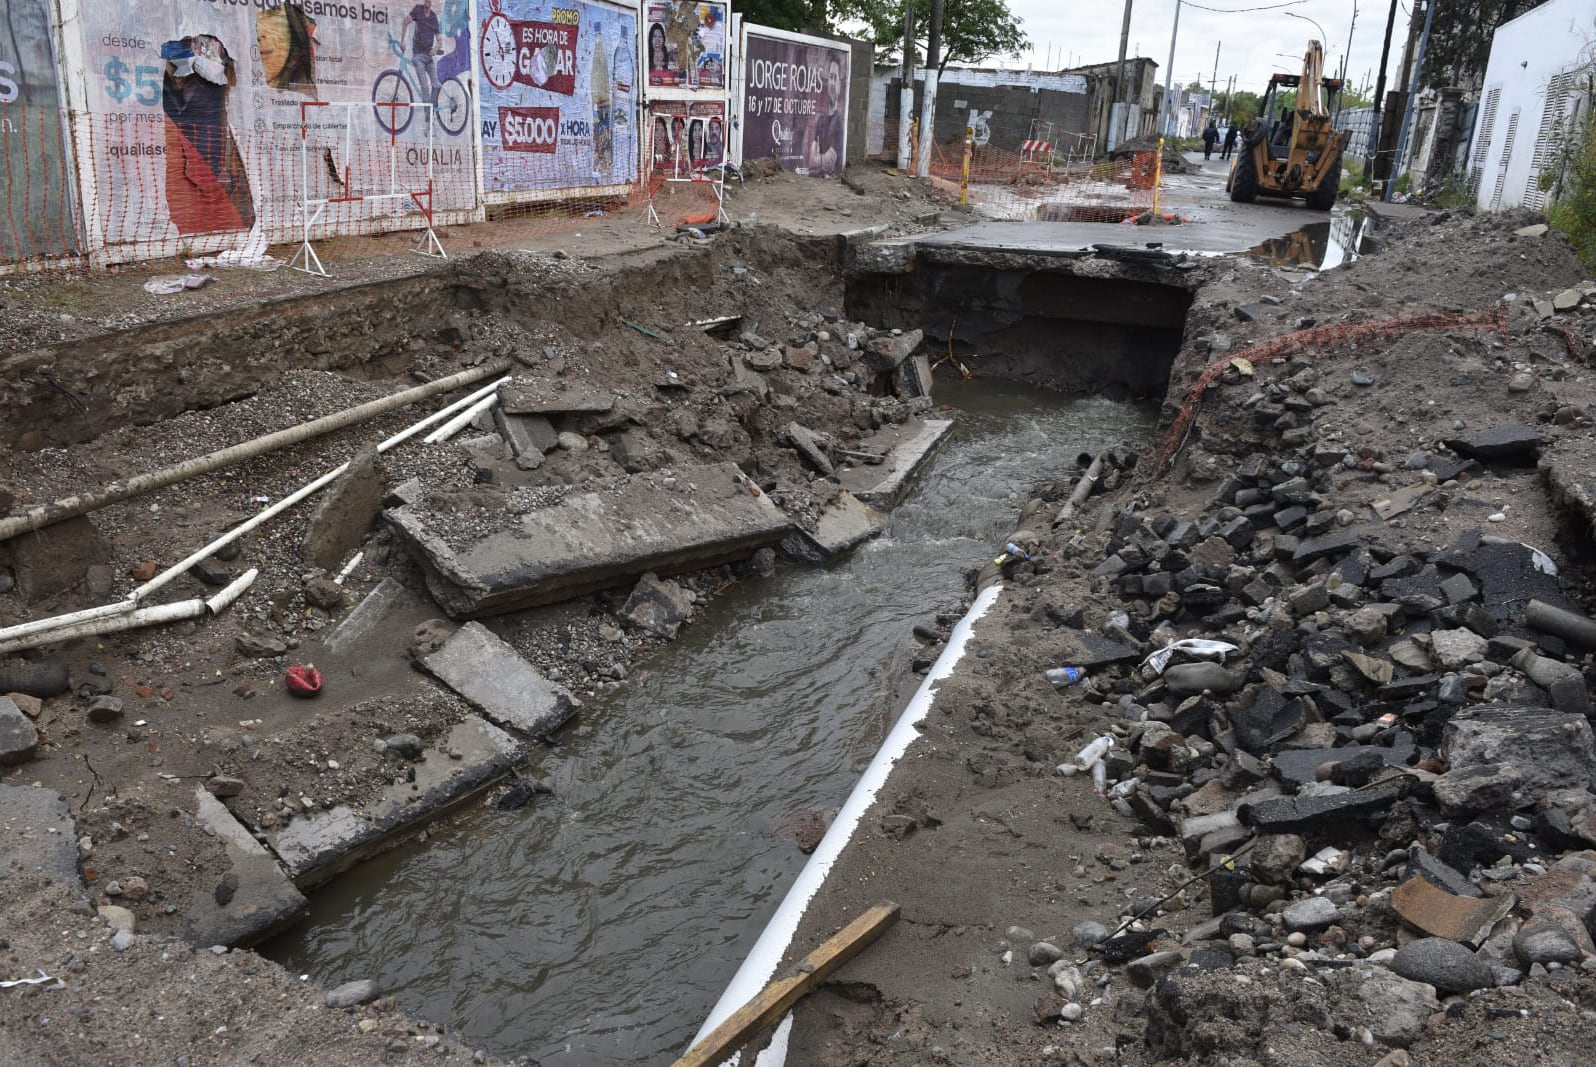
<point x="1012" y="553"/>
<point x="43" y="978"/>
<point x="1094" y="752"/>
<point x="1099" y="777"/>
<point x="1125" y="788"/>
<point x="1192" y="646"/>
<point x="175" y="283"/>
<point x="304" y="681"/>
<point x="1064" y="677"/>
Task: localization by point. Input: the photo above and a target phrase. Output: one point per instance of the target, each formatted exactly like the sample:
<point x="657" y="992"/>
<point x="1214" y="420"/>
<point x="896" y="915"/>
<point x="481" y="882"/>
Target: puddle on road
<point x="1321" y="245"/>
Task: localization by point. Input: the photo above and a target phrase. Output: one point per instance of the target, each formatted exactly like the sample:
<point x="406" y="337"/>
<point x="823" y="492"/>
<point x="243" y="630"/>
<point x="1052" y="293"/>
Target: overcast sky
<point x="1252" y="43"/>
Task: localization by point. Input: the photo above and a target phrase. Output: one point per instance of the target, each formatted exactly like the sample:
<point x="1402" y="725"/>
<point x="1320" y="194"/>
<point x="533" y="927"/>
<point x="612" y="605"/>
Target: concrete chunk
<point x="1514" y="441"/>
<point x="887" y="351"/>
<point x="847" y="523"/>
<point x="316" y="847"/>
<point x="490" y="674"/>
<point x="264" y="900"/>
<point x="535" y="396"/>
<point x="667" y="521"/>
<point x="1288" y="815"/>
<point x="527" y="434"/>
<point x="37" y="834"/>
<point x="19" y="738"/>
<point x="351" y="504"/>
<point x="911" y="447"/>
<point x="367" y="615"/>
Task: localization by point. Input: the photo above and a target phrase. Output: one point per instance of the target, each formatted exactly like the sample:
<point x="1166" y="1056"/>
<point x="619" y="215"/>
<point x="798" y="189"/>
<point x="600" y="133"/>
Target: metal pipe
<point x="1083" y="489"/>
<point x="1379" y="93"/>
<point x="69" y="507"/>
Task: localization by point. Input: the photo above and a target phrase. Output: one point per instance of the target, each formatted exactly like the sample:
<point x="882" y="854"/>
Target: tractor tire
<point x="1324" y="197"/>
<point x="1244" y="178"/>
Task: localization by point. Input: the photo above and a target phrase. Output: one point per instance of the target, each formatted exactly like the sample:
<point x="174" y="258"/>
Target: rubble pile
<point x="1375" y="751"/>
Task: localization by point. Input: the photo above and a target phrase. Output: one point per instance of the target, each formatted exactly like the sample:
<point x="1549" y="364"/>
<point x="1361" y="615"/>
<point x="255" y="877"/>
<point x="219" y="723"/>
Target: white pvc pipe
<point x="460" y="421"/>
<point x="132" y="600"/>
<point x="349" y="568"/>
<point x="132" y="620"/>
<point x="771" y="948"/>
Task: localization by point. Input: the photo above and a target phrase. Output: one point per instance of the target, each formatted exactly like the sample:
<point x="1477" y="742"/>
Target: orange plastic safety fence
<point x="1048" y="186"/>
<point x="1319" y="339"/>
<point x="99" y="190"/>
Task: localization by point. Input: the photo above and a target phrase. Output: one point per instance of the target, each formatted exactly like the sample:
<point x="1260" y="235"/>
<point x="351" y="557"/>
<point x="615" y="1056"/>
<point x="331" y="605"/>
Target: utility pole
<point x="1116" y="110"/>
<point x="1379" y="94"/>
<point x="1171" y="90"/>
<point x="928" y="102"/>
<point x="906" y="90"/>
<point x="1384" y="165"/>
<point x="1213" y="84"/>
<point x="1413" y="92"/>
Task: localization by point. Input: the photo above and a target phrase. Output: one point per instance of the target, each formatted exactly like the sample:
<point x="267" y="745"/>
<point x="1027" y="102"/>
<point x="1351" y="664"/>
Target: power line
<point x="1243" y="10"/>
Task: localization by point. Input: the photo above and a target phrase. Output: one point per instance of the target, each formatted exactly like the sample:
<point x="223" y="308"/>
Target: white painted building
<point x="1534" y="93"/>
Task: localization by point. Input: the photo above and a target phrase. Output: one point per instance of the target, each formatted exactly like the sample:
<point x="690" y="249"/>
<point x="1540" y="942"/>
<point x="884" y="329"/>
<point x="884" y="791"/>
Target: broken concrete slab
<point x="348" y="508"/>
<point x="493" y="677"/>
<point x="317" y="847"/>
<point x="37" y="834"/>
<point x="886" y="352"/>
<point x="559" y="396"/>
<point x="1426" y="906"/>
<point x="54" y="559"/>
<point x="1513" y="441"/>
<point x="376" y="606"/>
<point x="845" y="524"/>
<point x="1088" y="650"/>
<point x="687" y="518"/>
<point x="911" y="447"/>
<point x="1551" y="750"/>
<point x="264" y="899"/>
<point x="527" y="434"/>
<point x="19" y="738"/>
<point x="811" y="446"/>
<point x="1289" y="815"/>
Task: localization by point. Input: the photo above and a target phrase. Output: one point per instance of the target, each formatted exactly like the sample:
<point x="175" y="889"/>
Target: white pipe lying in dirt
<point x="122" y="607"/>
<point x="460" y="421"/>
<point x="767" y="954"/>
<point x="132" y="620"/>
<point x="349" y="568"/>
<point x="80" y="504"/>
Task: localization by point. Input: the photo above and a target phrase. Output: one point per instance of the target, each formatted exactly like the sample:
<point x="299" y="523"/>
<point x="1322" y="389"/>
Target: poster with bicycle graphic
<point x="559" y="96"/>
<point x="199" y="104"/>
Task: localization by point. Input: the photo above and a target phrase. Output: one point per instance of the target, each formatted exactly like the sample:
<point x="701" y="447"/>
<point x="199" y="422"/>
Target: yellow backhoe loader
<point x="1296" y="153"/>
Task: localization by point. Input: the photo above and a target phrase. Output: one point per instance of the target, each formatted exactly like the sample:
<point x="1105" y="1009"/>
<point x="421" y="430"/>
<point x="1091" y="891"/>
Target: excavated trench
<point x="600" y="924"/>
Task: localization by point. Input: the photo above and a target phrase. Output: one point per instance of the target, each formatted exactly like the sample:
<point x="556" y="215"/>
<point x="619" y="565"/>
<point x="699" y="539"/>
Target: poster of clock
<point x="559" y="97"/>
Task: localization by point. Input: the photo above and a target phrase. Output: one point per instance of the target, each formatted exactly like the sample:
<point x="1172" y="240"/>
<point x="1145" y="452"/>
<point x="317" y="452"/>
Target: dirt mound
<point x="1174" y="162"/>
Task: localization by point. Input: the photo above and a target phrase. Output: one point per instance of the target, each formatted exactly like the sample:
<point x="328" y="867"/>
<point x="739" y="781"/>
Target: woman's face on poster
<point x="271" y="37"/>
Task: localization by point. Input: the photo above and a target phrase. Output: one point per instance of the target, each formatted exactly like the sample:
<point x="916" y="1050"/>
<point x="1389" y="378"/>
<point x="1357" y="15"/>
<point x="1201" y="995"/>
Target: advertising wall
<point x="196" y="109"/>
<point x="559" y="96"/>
<point x="686" y="44"/>
<point x="795" y="100"/>
<point x="33" y="156"/>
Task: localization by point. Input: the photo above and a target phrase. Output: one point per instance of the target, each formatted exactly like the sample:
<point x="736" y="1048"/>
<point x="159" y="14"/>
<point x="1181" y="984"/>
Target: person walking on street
<point x="1230" y="141"/>
<point x="1210" y="136"/>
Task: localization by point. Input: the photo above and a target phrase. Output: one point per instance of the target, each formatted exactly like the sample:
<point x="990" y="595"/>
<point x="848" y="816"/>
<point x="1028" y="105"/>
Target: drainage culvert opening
<point x="1074" y="325"/>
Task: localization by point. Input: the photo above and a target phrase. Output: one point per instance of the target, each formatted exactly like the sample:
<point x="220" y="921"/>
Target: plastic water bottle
<point x="1064" y="677"/>
<point x="1094" y="752"/>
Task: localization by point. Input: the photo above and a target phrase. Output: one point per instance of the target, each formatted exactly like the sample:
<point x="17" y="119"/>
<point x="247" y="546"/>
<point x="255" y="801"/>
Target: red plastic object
<point x="304" y="681"/>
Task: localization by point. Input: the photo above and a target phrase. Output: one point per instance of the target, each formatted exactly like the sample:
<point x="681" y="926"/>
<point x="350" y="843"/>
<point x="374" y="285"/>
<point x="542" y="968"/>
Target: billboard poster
<point x="795" y="103"/>
<point x="686" y="44"/>
<point x="559" y="95"/>
<point x="37" y="180"/>
<point x="198" y="106"/>
<point x="686" y="138"/>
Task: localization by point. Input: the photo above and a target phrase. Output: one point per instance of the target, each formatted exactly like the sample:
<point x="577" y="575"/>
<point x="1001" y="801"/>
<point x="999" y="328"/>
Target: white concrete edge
<point x="765" y="957"/>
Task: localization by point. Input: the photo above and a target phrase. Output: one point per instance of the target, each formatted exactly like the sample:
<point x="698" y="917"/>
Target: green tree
<point x="972" y="30"/>
<point x="796" y="15"/>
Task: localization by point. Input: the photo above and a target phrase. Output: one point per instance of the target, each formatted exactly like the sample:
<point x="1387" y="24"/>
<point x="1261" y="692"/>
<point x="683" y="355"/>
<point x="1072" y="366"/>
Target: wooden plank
<point x="780" y="995"/>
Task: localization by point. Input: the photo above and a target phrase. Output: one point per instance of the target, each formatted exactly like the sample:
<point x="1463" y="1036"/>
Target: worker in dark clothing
<point x="1210" y="138"/>
<point x="1230" y="141"/>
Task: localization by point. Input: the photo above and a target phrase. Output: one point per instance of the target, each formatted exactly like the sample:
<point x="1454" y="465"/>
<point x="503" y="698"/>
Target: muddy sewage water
<point x="599" y="925"/>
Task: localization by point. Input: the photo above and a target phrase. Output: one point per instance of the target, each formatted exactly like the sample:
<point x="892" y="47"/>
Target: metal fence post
<point x="964" y="179"/>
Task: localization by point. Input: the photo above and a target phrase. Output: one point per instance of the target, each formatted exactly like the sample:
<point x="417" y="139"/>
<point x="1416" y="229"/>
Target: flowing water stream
<point x="598" y="926"/>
